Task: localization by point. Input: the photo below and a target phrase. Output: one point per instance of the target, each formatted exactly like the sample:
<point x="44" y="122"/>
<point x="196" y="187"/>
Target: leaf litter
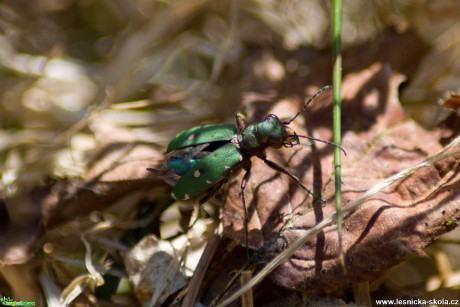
<point x="56" y="185"/>
<point x="391" y="225"/>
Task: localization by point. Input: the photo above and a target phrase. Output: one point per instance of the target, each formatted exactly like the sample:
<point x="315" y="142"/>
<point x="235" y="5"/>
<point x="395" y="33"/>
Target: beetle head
<point x="275" y="133"/>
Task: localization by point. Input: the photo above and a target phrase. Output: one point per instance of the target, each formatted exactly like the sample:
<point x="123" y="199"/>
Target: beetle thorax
<point x="270" y="132"/>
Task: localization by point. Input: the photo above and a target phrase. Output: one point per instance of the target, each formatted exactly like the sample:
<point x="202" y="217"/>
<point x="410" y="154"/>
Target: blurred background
<point x="79" y="76"/>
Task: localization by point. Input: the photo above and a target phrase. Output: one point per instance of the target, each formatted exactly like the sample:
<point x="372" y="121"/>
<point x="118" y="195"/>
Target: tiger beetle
<point x="203" y="158"/>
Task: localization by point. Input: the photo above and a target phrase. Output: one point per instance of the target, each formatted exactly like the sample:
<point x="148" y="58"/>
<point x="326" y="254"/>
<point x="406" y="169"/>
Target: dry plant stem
<point x="230" y="284"/>
<point x="79" y="283"/>
<point x="280" y="258"/>
<point x="443" y="264"/>
<point x="50" y="289"/>
<point x="247" y="299"/>
<point x="198" y="275"/>
<point x="361" y="294"/>
<point x="227" y="43"/>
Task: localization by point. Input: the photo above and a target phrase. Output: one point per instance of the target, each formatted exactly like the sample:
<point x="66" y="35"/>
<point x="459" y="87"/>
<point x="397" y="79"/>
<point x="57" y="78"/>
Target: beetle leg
<point x="244" y="182"/>
<point x="240" y="121"/>
<point x="159" y="172"/>
<point x="296" y="179"/>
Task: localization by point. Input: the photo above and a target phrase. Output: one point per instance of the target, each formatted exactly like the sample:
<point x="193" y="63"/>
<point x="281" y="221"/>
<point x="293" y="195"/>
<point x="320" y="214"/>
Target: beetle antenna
<point x="305" y="105"/>
<point x="323" y="141"/>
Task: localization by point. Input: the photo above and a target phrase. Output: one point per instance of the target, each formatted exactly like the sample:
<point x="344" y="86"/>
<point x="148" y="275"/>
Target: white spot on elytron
<point x="226" y="167"/>
<point x="174" y="196"/>
<point x="196" y="174"/>
<point x="186" y="196"/>
<point x="208" y="181"/>
<point x="191" y="137"/>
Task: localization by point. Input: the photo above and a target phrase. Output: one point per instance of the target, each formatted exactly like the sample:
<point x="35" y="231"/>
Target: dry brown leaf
<point x="380" y="141"/>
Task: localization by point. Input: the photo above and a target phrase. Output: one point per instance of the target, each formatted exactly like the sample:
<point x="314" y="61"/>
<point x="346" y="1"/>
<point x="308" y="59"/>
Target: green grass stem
<point x="337" y="82"/>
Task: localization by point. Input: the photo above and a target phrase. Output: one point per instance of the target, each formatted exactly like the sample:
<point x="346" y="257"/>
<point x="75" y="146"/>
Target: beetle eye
<point x="271" y="117"/>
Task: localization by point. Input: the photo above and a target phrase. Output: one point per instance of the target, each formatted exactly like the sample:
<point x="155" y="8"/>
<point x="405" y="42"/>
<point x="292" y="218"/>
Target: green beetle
<point x="203" y="158"/>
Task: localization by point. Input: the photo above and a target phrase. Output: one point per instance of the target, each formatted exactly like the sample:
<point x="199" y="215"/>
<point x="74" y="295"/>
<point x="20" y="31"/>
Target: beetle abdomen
<point x="208" y="172"/>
